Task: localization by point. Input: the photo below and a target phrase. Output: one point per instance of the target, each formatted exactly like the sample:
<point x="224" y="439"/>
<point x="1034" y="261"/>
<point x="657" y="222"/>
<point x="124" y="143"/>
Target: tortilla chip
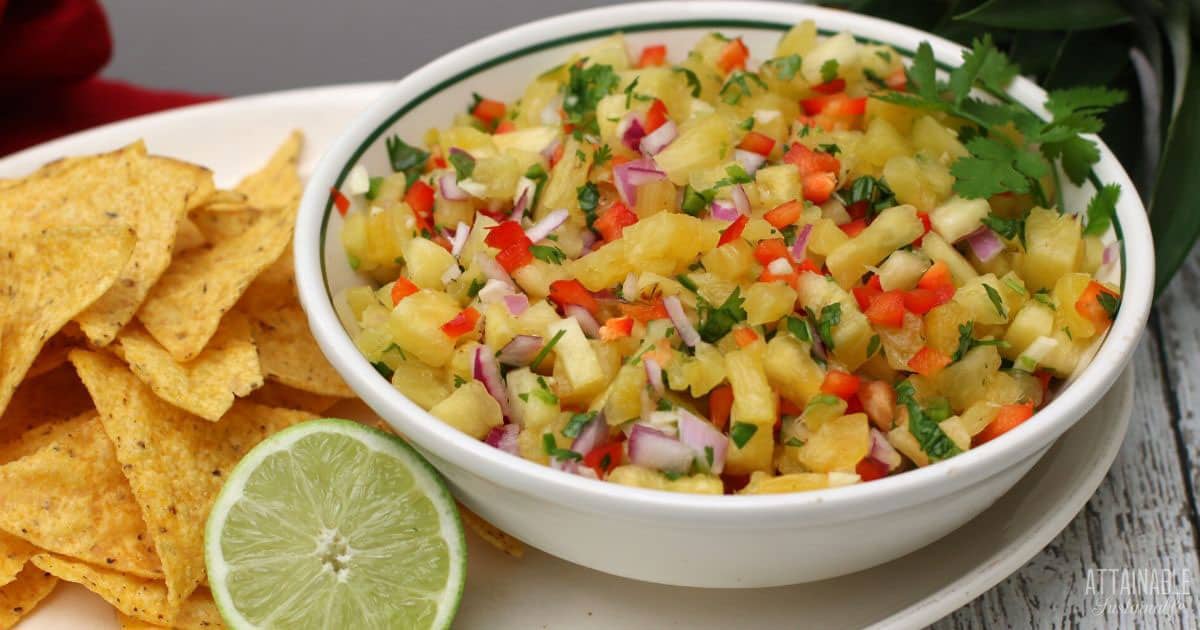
<point x="54" y="353"/>
<point x="175" y="462"/>
<point x="51" y="397"/>
<point x="206" y="386"/>
<point x="275" y="394"/>
<point x="184" y="309"/>
<point x="38" y="437"/>
<point x="71" y="498"/>
<point x="14" y="553"/>
<point x="48" y="278"/>
<point x="222" y="226"/>
<point x="22" y="595"/>
<point x="198" y="612"/>
<point x="142" y="599"/>
<point x="277" y="183"/>
<point x="290" y="355"/>
<point x="491" y="534"/>
<point x="275" y="287"/>
<point x="187" y="237"/>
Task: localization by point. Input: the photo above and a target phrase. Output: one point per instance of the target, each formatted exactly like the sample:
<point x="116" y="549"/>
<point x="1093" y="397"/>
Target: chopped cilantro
<point x="459" y="381"/>
<point x="1045" y="299"/>
<point x="406" y="158"/>
<point x="354" y="261"/>
<point x="548" y="253"/>
<point x="696" y="201"/>
<point x="831" y="315"/>
<point x="831" y="149"/>
<point x="1008" y="228"/>
<point x="1109" y="303"/>
<point x="997" y="301"/>
<point x="672" y="475"/>
<point x="717" y="322"/>
<point x="923" y="424"/>
<point x="692" y="80"/>
<point x="373" y="190"/>
<point x="798" y="328"/>
<point x="585" y="87"/>
<point x="829" y="70"/>
<point x="576" y="423"/>
<point x="873" y="77"/>
<point x="687" y="282"/>
<point x="1015" y="286"/>
<point x="747" y="124"/>
<point x="736" y="175"/>
<point x="873" y="346"/>
<point x="383" y="369"/>
<point x="708" y="456"/>
<point x="786" y="67"/>
<point x="967" y="341"/>
<point x="545" y="351"/>
<point x="793" y="442"/>
<point x="538" y="176"/>
<point x="602" y="155"/>
<point x="544" y="394"/>
<point x="1101" y="208"/>
<point x="663" y="405"/>
<point x="550" y="446"/>
<point x="629" y="91"/>
<point x="463" y="163"/>
<point x="875" y="192"/>
<point x="588" y="196"/>
<point x="741" y="432"/>
<point x="884" y="55"/>
<point x="580" y="155"/>
<point x="738" y="85"/>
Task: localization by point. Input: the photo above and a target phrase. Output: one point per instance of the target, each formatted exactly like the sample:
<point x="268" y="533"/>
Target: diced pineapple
<point x="666" y="243"/>
<point x="421" y="383"/>
<point x="903" y="440"/>
<point x="777" y="185"/>
<point x="462" y="362"/>
<point x="1063" y="358"/>
<point x="901" y="344"/>
<point x="624" y="399"/>
<point x="976" y="417"/>
<point x="536" y="277"/>
<point x="762" y="483"/>
<point x="610" y="51"/>
<point x="1091" y="255"/>
<point x="954" y="429"/>
<point x="942" y="326"/>
<point x="936" y="248"/>
<point x="498" y="174"/>
<point x="416" y="326"/>
<point x="965" y="382"/>
<point x="532" y="139"/>
<point x="898" y="116"/>
<point x="528" y="401"/>
<point x="852" y="334"/>
<point x="755" y="454"/>
<point x="577" y="358"/>
<point x="937" y="141"/>
<point x="479" y="231"/>
<point x="469" y="139"/>
<point x="768" y="301"/>
<point x="427" y="262"/>
<point x="655" y="197"/>
<point x="536" y="320"/>
<point x="1032" y="321"/>
<point x="354" y="238"/>
<point x="921" y="184"/>
<point x="799" y="40"/>
<point x="822" y="408"/>
<point x="704" y="371"/>
<point x="665" y="84"/>
<point x="841" y="48"/>
<point x="499" y="326"/>
<point x="753" y="399"/>
<point x="603" y="267"/>
<point x="1052" y="244"/>
<point x="703" y="143"/>
<point x="566" y="177"/>
<point x="957" y="217"/>
<point x="732" y="261"/>
<point x="359" y="298"/>
<point x="901" y="270"/>
<point x="891" y="230"/>
<point x="881" y="143"/>
<point x="826" y="236"/>
<point x="609" y="112"/>
<point x="1066" y="293"/>
<point x="838" y="445"/>
<point x="639" y="477"/>
<point x="791" y="369"/>
<point x="539" y="94"/>
<point x="975" y="298"/>
<point x="470" y="409"/>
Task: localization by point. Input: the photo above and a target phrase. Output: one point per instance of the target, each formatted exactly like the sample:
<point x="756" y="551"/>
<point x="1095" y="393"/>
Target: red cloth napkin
<point x="50" y="53"/>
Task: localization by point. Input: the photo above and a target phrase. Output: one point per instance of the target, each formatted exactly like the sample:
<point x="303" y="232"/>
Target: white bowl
<point x="688" y="540"/>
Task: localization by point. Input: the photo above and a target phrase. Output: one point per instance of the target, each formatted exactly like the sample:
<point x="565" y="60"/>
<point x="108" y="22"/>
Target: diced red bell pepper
<point x="871" y="469"/>
<point x="644" y="312"/>
<point x="854" y="228"/>
<point x="653" y="56"/>
<point x="744" y="336"/>
<point x="720" y="402"/>
<point x="756" y="142"/>
<point x="733" y="56"/>
<point x="656" y="116"/>
<point x="1008" y="418"/>
<point x="921" y="301"/>
<point x="841" y="384"/>
<point x="402" y="288"/>
<point x="809" y="161"/>
<point x="1088" y="305"/>
<point x="613" y="221"/>
<point x="514" y="257"/>
<point x="462" y="323"/>
<point x="769" y="249"/>
<point x="506" y="234"/>
<point x="928" y="361"/>
<point x="567" y="292"/>
<point x="734" y="231"/>
<point x="928" y="225"/>
<point x="809" y="266"/>
<point x="936" y="277"/>
<point x="616" y="328"/>
<point x="419" y="197"/>
<point x="603" y="459"/>
<point x="784" y="214"/>
<point x="819" y="187"/>
<point x="887" y="309"/>
<point x="505" y="127"/>
<point x="857" y="210"/>
<point x="489" y="111"/>
<point x="831" y="87"/>
<point x="837" y="105"/>
<point x="866" y="294"/>
<point x="789" y="408"/>
<point x="340" y="201"/>
<point x="437" y="162"/>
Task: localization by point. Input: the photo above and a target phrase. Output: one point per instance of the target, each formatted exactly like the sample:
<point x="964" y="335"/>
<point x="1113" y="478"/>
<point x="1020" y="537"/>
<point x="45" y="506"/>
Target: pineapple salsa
<point x="724" y="275"/>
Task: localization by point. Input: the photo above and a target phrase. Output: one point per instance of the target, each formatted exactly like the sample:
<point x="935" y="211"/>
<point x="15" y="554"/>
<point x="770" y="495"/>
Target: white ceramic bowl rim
<point x="613" y="500"/>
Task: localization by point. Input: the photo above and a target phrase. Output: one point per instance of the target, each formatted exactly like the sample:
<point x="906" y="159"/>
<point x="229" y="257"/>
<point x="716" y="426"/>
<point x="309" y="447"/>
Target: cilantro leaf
<point x="829" y="70"/>
<point x="831" y="149"/>
<point x="375" y="183"/>
<point x="384" y="370"/>
<point x="747" y="124"/>
<point x="1101" y="209"/>
<point x="997" y="301"/>
<point x="476" y="285"/>
<point x="463" y="163"/>
<point x="924" y="425"/>
<point x="831" y="315"/>
<point x="576" y="424"/>
<point x="875" y="192"/>
<point x="589" y="197"/>
<point x="602" y="155"/>
<point x="548" y="253"/>
<point x="550" y="446"/>
<point x="922" y="74"/>
<point x="692" y="80"/>
<point x="696" y="201"/>
<point x="717" y="322"/>
<point x="995" y="166"/>
<point x="406" y="158"/>
<point x="545" y="351"/>
<point x="873" y="346"/>
<point x="798" y="328"/>
<point x="1008" y="228"/>
<point x="740" y="80"/>
<point x="787" y="67"/>
<point x="1109" y="303"/>
<point x="741" y="432"/>
<point x="629" y="91"/>
<point x="983" y="64"/>
<point x="1078" y="155"/>
<point x="585" y="87"/>
<point x="736" y="175"/>
<point x="1043" y="297"/>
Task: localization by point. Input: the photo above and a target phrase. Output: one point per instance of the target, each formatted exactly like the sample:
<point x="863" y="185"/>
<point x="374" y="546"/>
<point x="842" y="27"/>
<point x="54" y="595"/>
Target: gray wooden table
<point x="1144" y="515"/>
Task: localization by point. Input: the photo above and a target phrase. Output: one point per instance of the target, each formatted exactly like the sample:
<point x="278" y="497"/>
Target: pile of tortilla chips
<point x="150" y="335"/>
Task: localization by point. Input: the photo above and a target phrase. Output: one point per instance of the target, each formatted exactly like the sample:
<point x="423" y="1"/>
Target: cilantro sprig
<point x="923" y="423"/>
<point x="716" y="322"/>
<point x="583" y="91"/>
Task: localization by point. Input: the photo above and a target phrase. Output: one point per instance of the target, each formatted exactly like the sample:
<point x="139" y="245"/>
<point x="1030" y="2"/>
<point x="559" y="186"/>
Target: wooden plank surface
<point x="1144" y="514"/>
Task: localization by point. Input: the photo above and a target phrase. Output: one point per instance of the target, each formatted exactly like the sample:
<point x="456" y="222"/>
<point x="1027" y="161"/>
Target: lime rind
<point x="427" y="483"/>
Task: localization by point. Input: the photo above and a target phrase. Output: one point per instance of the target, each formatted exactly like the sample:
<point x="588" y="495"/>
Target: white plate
<point x="232" y="137"/>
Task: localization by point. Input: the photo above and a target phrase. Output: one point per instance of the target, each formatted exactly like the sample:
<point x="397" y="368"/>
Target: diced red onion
<point x="459" y="240"/>
<point x="592" y="435"/>
<point x="629" y="288"/>
<point x="801" y="244"/>
<point x="516" y="303"/>
<point x="749" y="160"/>
<point x="629" y="175"/>
<point x="723" y="210"/>
<point x="653" y="373"/>
<point x="1112" y="252"/>
<point x="525" y="188"/>
<point x="882" y="451"/>
<point x="985" y="244"/>
<point x="740" y="200"/>
<point x="520" y="351"/>
<point x="686" y="331"/>
<point x="548" y="224"/>
<point x="492" y="269"/>
<point x="780" y="266"/>
<point x="487" y="371"/>
<point x="494" y="291"/>
<point x="699" y="435"/>
<point x="654" y="449"/>
<point x="587" y="323"/>
<point x="587" y="239"/>
<point x="448" y="185"/>
<point x="504" y="437"/>
<point x="659" y="139"/>
<point x="631" y="131"/>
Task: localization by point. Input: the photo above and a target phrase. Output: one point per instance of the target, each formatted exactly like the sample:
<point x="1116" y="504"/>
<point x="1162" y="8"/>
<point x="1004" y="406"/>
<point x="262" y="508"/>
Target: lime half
<point x="331" y="524"/>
